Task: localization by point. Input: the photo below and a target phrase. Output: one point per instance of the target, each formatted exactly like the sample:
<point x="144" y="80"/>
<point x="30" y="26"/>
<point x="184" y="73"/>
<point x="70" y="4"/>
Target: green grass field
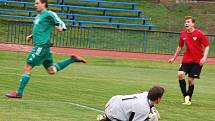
<point x="80" y="92"/>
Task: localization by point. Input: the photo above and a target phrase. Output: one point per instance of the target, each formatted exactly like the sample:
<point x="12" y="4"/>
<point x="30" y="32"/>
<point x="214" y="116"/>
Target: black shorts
<point x="192" y="69"/>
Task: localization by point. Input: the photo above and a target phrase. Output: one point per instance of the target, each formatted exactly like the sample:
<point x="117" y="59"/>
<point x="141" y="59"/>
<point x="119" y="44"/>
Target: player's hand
<point x="59" y="29"/>
<point x="101" y="117"/>
<point x="203" y="61"/>
<point x="29" y="37"/>
<point x="154" y="110"/>
<point x="153" y="117"/>
<point x="171" y="60"/>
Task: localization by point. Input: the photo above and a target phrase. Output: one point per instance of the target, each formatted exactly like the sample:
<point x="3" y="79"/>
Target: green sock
<point x="62" y="64"/>
<point x="23" y="82"/>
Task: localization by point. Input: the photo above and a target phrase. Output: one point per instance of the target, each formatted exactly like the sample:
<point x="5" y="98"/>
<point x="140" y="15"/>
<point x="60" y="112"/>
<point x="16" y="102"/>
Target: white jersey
<point x="125" y="107"/>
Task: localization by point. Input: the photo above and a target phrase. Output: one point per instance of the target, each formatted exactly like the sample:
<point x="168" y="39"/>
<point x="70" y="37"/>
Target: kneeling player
<point x="135" y="107"/>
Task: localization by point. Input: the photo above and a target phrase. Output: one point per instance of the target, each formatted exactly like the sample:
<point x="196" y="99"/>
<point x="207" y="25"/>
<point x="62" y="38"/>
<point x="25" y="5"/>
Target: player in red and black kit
<point x="195" y="56"/>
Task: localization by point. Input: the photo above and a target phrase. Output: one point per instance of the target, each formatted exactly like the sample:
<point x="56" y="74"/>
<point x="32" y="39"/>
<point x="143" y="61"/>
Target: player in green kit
<point x="44" y="23"/>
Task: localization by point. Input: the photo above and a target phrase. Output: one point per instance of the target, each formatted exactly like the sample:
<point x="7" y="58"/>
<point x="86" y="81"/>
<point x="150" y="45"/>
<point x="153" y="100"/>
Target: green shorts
<point x="40" y="55"/>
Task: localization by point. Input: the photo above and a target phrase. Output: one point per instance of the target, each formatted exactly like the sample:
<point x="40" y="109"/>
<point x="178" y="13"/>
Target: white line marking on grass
<point x="87" y="107"/>
<point x="70" y="103"/>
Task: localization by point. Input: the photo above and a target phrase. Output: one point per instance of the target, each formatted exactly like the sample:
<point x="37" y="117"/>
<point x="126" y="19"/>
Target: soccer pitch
<point x="80" y="92"/>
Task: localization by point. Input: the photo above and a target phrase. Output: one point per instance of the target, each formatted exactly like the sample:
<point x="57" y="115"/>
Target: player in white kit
<point x="135" y="107"/>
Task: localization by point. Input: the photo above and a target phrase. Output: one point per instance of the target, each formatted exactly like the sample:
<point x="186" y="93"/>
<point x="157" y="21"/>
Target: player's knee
<point x="191" y="81"/>
<point x="51" y="70"/>
<point x="181" y="74"/>
<point x="27" y="69"/>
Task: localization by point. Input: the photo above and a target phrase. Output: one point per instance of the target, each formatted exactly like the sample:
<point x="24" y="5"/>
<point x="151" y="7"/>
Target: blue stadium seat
<point x="74" y="16"/>
<point x="81" y="22"/>
<point x="30" y="13"/>
<point x="150" y="26"/>
<point x="99" y="2"/>
<point x="77" y="7"/>
<point x="18" y="2"/>
<point x="15" y="17"/>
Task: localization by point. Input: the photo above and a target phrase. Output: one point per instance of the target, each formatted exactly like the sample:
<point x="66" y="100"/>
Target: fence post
<point x="8" y="29"/>
<point x="145" y="41"/>
<point x="90" y="37"/>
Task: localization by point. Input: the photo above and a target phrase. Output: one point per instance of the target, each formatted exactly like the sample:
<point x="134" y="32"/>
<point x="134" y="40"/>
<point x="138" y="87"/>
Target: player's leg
<point x="190" y="87"/>
<point x="187" y="99"/>
<point x="35" y="58"/>
<point x="193" y="74"/>
<point x="182" y="82"/>
<point x="60" y="65"/>
<point x="52" y="69"/>
<point x="24" y="79"/>
<point x="181" y="78"/>
<point x="48" y="64"/>
<point x="22" y="83"/>
<point x="183" y="70"/>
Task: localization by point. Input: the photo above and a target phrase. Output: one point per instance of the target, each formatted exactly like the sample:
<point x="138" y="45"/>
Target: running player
<point x="44" y="23"/>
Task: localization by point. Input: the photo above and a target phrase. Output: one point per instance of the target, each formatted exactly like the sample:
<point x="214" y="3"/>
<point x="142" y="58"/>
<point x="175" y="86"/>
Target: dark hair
<point x="45" y="1"/>
<point x="155" y="92"/>
<point x="190" y="17"/>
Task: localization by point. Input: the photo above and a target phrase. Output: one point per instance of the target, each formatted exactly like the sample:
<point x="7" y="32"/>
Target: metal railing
<point x="106" y="38"/>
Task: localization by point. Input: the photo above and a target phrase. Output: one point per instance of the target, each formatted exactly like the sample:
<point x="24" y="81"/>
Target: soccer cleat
<point x="13" y="94"/>
<point x="101" y="117"/>
<point x="77" y="58"/>
<point x="187" y="101"/>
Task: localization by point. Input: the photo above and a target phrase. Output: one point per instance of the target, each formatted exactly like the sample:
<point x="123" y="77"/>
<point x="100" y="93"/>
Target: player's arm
<point x="205" y="56"/>
<point x="59" y="24"/>
<point x="59" y="29"/>
<point x="29" y="37"/>
<point x="205" y="43"/>
<point x="177" y="52"/>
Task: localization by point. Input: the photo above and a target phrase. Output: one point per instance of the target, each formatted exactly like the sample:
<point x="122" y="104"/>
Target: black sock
<point x="190" y="91"/>
<point x="182" y="84"/>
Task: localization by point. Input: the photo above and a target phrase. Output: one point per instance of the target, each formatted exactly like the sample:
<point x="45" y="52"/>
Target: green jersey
<point x="44" y="23"/>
